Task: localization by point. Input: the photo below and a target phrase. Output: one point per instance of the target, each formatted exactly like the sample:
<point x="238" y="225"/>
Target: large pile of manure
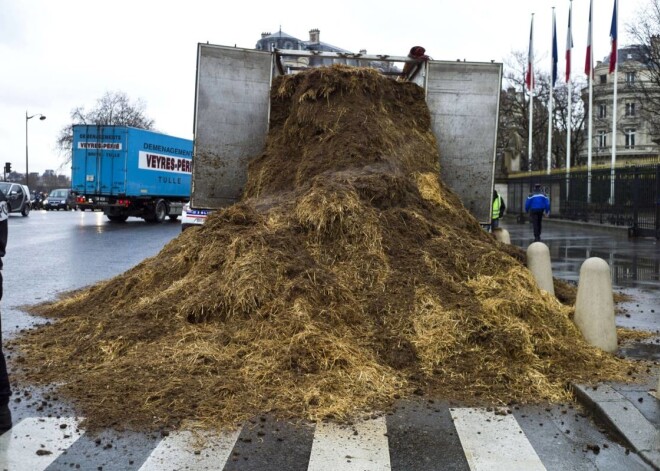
<point x="348" y="276"/>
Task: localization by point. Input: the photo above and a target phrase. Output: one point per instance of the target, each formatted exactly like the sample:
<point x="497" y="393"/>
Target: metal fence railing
<point x="627" y="196"/>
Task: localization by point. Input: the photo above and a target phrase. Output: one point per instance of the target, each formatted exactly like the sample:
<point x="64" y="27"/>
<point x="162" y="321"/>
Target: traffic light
<point x="7" y="167"/>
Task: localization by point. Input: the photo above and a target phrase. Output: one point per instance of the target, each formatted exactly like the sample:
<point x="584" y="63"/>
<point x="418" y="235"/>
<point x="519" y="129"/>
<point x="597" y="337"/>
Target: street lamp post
<point x="41" y="118"/>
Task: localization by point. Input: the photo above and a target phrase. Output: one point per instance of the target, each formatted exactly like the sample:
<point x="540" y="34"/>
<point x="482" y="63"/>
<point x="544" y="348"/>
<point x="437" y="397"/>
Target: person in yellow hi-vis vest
<point x="498" y="210"/>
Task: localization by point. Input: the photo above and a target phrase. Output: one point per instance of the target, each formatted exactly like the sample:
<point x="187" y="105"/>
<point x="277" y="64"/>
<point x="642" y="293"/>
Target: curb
<point x="514" y="219"/>
<point x="619" y="413"/>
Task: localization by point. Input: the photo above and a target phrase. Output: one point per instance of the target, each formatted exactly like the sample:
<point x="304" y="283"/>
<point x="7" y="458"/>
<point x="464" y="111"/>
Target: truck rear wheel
<point x="160" y="211"/>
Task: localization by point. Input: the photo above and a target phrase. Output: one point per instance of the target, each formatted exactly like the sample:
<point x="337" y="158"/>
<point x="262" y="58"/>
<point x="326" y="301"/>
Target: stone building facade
<point x="634" y="135"/>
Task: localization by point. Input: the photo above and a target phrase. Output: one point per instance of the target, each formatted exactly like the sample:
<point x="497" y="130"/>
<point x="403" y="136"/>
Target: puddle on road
<point x="634" y="263"/>
<point x="14" y="320"/>
<point x="629" y="270"/>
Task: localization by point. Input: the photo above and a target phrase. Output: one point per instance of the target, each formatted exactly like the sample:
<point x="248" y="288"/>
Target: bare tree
<point x="514" y="115"/>
<point x="646" y="33"/>
<point x="113" y="108"/>
<point x="514" y="110"/>
<point x="577" y="123"/>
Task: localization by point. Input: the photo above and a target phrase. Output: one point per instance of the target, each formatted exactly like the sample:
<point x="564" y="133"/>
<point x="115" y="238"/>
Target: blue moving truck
<point x="130" y="172"/>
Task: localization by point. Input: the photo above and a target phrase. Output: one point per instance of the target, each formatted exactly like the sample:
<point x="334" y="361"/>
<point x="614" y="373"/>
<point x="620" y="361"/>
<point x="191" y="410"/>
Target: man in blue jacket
<point x="537" y="203"/>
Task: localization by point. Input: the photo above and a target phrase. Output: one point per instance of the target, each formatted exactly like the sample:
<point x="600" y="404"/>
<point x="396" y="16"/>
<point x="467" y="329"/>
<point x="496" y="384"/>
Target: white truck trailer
<point x="232" y="109"/>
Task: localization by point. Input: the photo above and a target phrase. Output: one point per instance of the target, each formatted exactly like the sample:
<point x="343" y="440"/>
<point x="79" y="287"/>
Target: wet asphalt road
<point x="634" y="263"/>
<point x="50" y="253"/>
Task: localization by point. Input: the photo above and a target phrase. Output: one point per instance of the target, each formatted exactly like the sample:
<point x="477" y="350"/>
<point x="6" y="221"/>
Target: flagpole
<point x="530" y="88"/>
<point x="529" y="144"/>
<point x="590" y="69"/>
<point x="589" y="137"/>
<point x="550" y="105"/>
<point x="614" y="57"/>
<point x="552" y="86"/>
<point x="569" y="46"/>
<point x="568" y="141"/>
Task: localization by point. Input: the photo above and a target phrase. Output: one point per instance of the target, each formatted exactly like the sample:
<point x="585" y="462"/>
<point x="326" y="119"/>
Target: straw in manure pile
<point x="348" y="276"/>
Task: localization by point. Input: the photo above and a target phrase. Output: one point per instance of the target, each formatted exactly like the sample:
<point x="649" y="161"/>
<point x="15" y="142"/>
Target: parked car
<point x="18" y="197"/>
<point x="61" y="198"/>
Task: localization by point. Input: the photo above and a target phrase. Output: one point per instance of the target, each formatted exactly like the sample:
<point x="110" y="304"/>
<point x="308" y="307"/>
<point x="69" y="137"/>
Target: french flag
<point x="613" y="53"/>
<point x="588" y="64"/>
<point x="529" y="78"/>
<point x="569" y="44"/>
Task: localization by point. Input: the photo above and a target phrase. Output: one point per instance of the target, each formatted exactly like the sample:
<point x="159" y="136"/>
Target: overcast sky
<point x="59" y="54"/>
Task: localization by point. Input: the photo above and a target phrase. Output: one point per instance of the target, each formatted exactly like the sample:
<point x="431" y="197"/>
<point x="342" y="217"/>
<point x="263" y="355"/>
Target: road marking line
<point x="185" y="450"/>
<point x="362" y="446"/>
<point x="494" y="442"/>
<point x="34" y="443"/>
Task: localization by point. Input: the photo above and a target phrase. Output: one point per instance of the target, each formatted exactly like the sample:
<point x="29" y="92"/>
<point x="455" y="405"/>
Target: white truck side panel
<point x="463" y="98"/>
<point x="232" y="99"/>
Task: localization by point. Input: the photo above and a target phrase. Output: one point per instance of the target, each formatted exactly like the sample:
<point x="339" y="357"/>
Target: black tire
<point x="25" y="211"/>
<point x="160" y="212"/>
<point x="117" y="218"/>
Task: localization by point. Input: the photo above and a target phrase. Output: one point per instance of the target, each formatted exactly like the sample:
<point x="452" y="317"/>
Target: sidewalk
<point x="524" y="219"/>
<point x="631" y="411"/>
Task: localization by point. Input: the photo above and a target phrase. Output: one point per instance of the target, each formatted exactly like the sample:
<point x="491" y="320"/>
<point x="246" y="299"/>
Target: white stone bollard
<point x="594" y="306"/>
<point x="502" y="235"/>
<point x="538" y="262"/>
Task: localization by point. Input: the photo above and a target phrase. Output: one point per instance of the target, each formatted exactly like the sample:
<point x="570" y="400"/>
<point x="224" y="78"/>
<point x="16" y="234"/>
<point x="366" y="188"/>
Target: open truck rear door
<point x="232" y="107"/>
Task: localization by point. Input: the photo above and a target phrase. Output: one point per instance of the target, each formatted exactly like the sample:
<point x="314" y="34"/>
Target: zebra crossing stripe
<point x="34" y="443"/>
<point x="494" y="442"/>
<point x="181" y="450"/>
<point x="362" y="446"/>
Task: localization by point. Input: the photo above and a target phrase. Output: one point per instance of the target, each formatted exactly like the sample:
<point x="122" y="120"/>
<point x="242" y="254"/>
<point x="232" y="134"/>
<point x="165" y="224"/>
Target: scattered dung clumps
<point x="348" y="276"/>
